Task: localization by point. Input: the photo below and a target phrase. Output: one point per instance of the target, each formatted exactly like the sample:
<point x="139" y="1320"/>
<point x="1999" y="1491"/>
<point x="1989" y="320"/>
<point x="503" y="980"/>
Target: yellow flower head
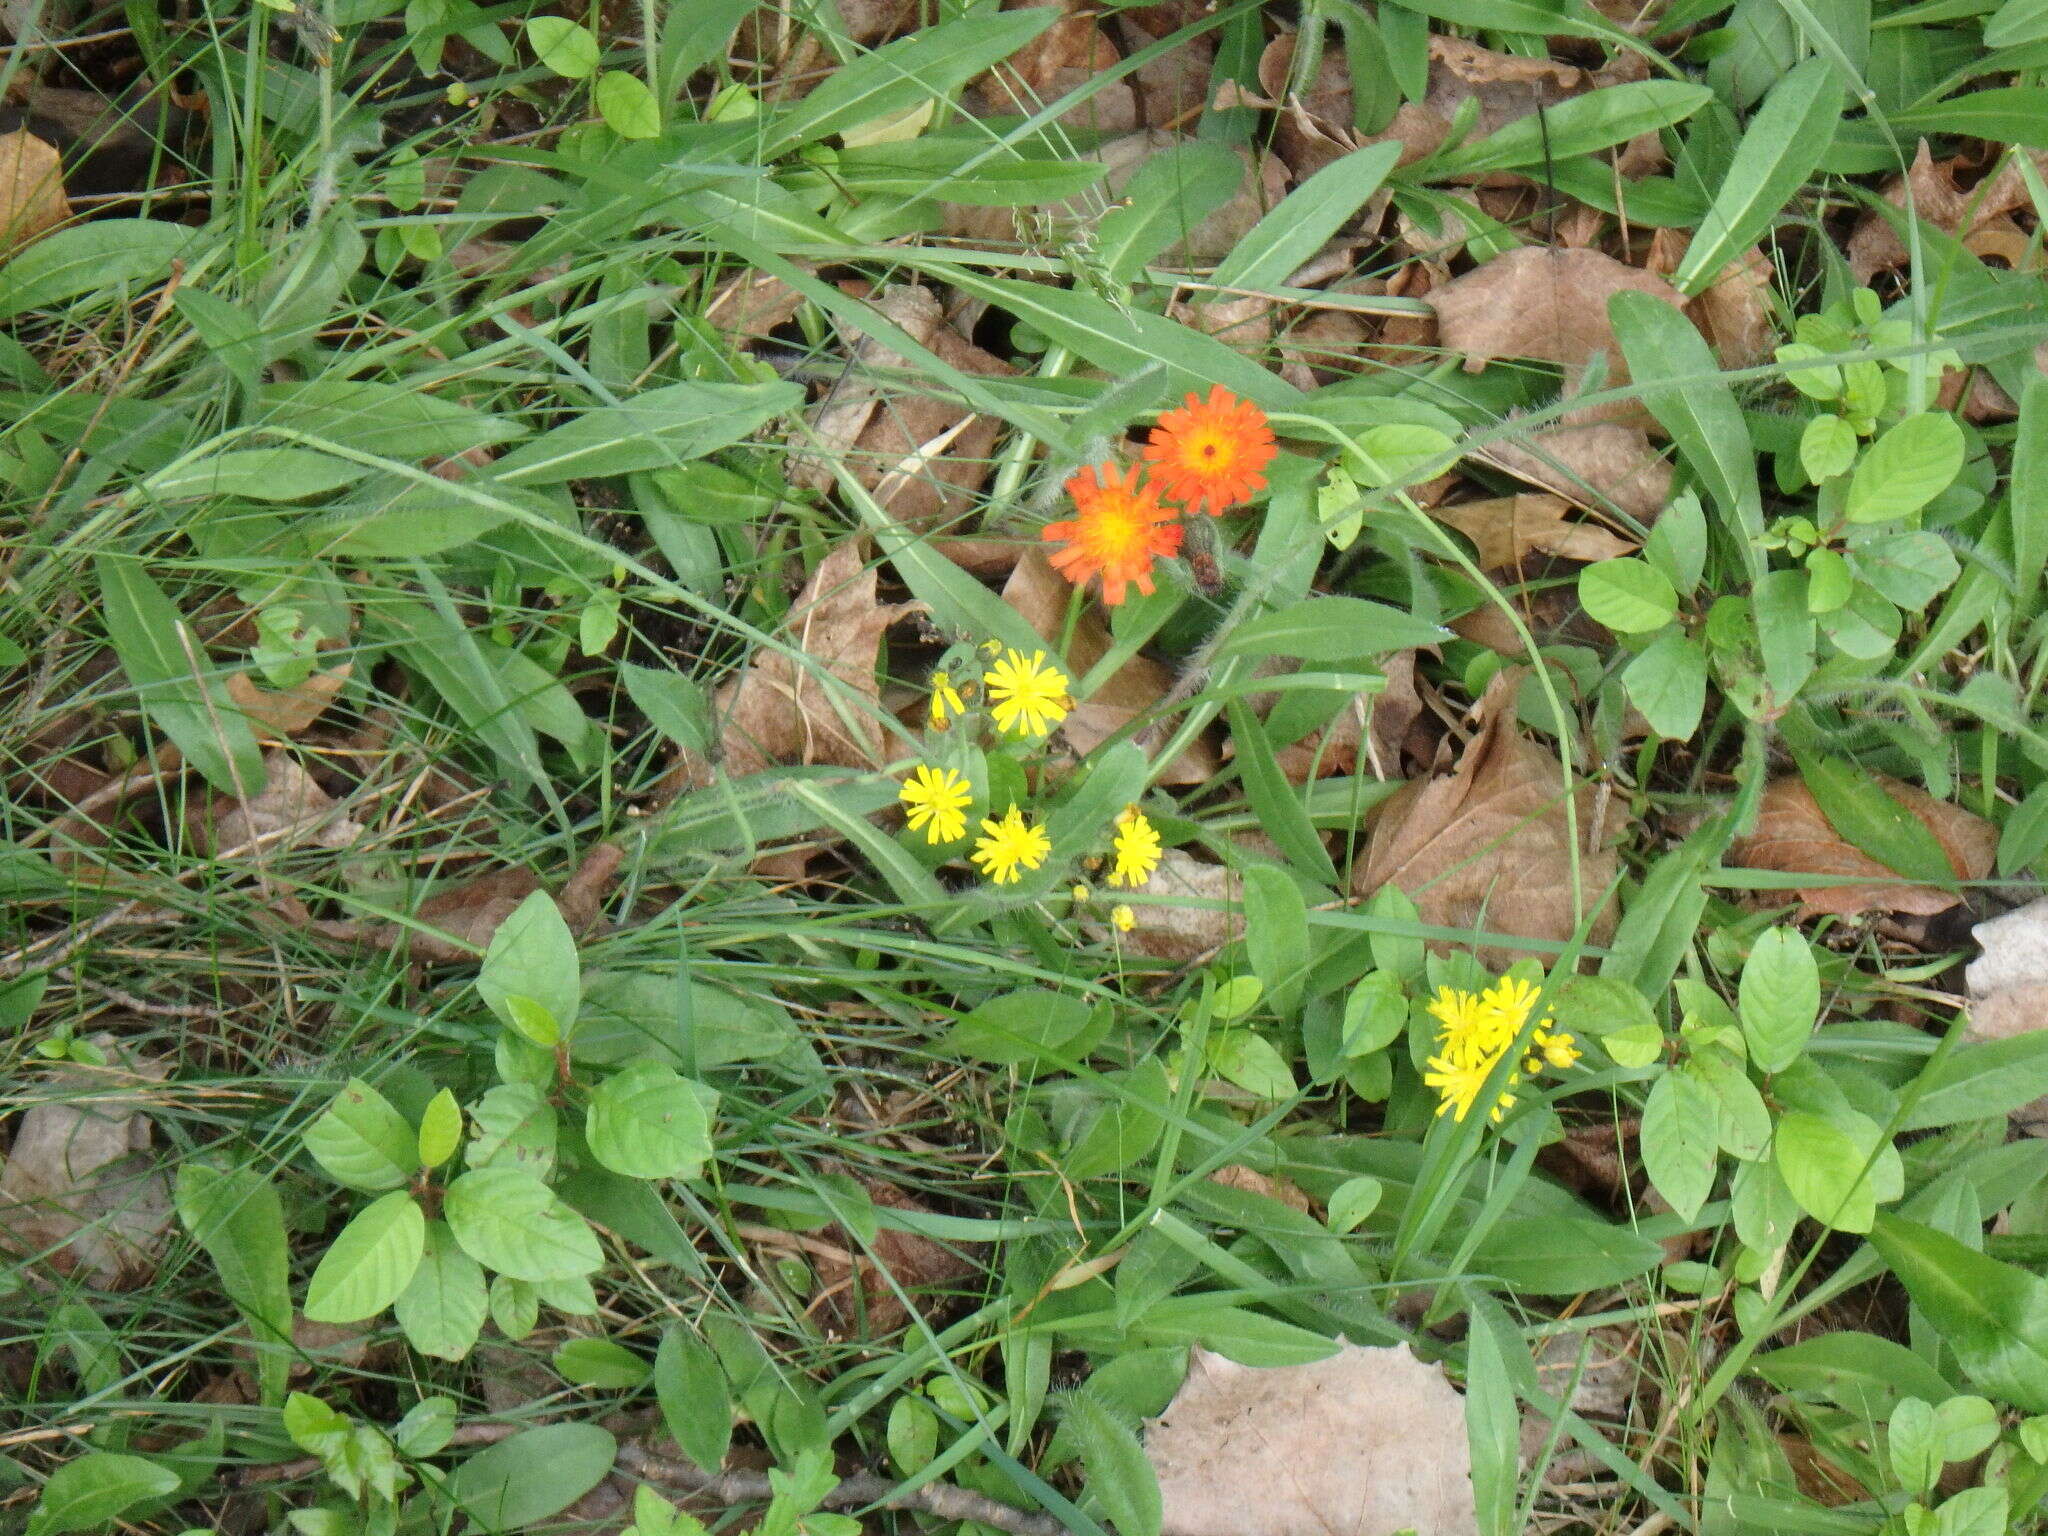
<point x="1122" y="918"/>
<point x="1010" y="846"/>
<point x="1026" y="695"/>
<point x="936" y="799"/>
<point x="945" y="700"/>
<point x="1474" y="1033"/>
<point x="1136" y="848"/>
<point x="1082" y="894"/>
<point x="1468" y="1031"/>
<point x="1512" y="998"/>
<point x="1459" y="1086"/>
<point x="1558" y="1048"/>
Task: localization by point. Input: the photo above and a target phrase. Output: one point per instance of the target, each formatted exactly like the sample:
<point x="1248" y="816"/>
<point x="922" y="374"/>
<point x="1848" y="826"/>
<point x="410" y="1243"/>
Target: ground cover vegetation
<point x="1197" y="769"/>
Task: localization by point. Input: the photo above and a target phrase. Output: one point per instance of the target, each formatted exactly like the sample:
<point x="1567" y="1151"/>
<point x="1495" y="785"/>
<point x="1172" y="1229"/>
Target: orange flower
<point x="1118" y="527"/>
<point x="1211" y="454"/>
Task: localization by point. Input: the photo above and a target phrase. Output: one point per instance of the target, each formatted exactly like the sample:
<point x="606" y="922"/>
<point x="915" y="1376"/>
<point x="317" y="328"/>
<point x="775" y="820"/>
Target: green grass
<point x="877" y="1185"/>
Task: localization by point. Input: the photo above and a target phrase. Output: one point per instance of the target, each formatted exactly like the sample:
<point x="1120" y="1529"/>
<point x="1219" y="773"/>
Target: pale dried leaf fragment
<point x="2008" y="987"/>
<point x="288" y="711"/>
<point x="289" y="808"/>
<point x="1187" y="910"/>
<point x="1041" y="595"/>
<point x="1794" y="836"/>
<point x="1506" y="530"/>
<point x="1488" y="847"/>
<point x="1367" y="1442"/>
<point x="1598" y="466"/>
<point x="779" y="710"/>
<point x="923" y="458"/>
<point x="32" y="200"/>
<point x="82" y="1191"/>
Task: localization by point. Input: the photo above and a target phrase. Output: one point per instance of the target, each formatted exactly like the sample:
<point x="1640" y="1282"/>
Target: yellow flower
<point x="1082" y="894"/>
<point x="1474" y="1033"/>
<point x="945" y="700"/>
<point x="1027" y="696"/>
<point x="1469" y="1032"/>
<point x="1136" y="848"/>
<point x="1459" y="1085"/>
<point x="1012" y="845"/>
<point x="937" y="800"/>
<point x="1122" y="918"/>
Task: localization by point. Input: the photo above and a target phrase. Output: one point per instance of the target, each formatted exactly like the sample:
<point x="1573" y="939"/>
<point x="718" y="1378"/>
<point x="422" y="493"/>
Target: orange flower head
<point x="1211" y="454"/>
<point x="1117" y="529"/>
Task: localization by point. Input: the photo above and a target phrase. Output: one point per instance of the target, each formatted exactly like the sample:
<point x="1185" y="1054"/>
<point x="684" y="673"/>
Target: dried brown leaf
<point x="1488" y="847"/>
<point x="456" y="925"/>
<point x="1734" y="314"/>
<point x="922" y="458"/>
<point x="1041" y="595"/>
<point x="857" y="1291"/>
<point x="82" y="1192"/>
<point x="1597" y="466"/>
<point x="288" y="711"/>
<point x="1068" y="54"/>
<point x="1242" y="1176"/>
<point x="1939" y="198"/>
<point x="1793" y="836"/>
<point x="290" y="808"/>
<point x="778" y="711"/>
<point x="1541" y="302"/>
<point x="1506" y="530"/>
<point x="32" y="199"/>
<point x="1172" y="87"/>
<point x="1364" y="1443"/>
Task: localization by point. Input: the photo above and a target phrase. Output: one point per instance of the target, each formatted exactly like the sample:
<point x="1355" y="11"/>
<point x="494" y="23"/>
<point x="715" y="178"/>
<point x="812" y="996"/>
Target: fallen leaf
<point x="857" y="1291"/>
<point x="1121" y="158"/>
<point x="32" y="199"/>
<point x="1243" y="1177"/>
<point x="1315" y="126"/>
<point x="82" y="1192"/>
<point x="288" y="711"/>
<point x="1506" y="530"/>
<point x="1070" y="53"/>
<point x="457" y="924"/>
<point x="1488" y="847"/>
<point x="1041" y="595"/>
<point x="2008" y="988"/>
<point x="1733" y="312"/>
<point x="1541" y="302"/>
<point x="922" y="457"/>
<point x="1506" y="88"/>
<point x="752" y="305"/>
<point x="1367" y="1442"/>
<point x="1874" y="246"/>
<point x="2008" y="981"/>
<point x="1793" y="836"/>
<point x="777" y="710"/>
<point x="1599" y="466"/>
<point x="1168" y="925"/>
<point x="1173" y="86"/>
<point x="1607" y="1383"/>
<point x="290" y="808"/>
